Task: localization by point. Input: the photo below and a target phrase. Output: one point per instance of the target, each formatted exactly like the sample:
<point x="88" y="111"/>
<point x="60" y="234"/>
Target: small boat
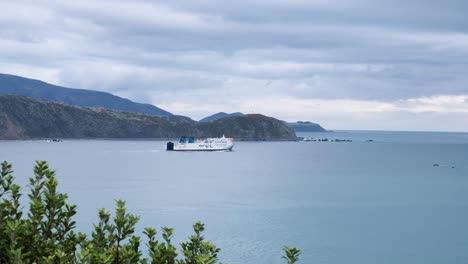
<point x="53" y="140"/>
<point x="209" y="144"/>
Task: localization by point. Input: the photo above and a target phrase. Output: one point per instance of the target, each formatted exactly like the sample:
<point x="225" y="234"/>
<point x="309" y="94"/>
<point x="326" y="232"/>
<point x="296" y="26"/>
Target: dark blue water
<point x="358" y="202"/>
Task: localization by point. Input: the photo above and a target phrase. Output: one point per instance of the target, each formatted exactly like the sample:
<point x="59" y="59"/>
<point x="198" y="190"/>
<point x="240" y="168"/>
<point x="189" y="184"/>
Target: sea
<point x="385" y="197"/>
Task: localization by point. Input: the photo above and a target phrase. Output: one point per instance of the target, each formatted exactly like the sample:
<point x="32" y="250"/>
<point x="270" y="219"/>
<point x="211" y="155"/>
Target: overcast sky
<point x="356" y="64"/>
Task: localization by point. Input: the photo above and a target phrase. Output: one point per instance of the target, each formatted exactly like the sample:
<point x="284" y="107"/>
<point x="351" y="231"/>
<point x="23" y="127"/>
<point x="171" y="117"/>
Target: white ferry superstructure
<point x="209" y="144"/>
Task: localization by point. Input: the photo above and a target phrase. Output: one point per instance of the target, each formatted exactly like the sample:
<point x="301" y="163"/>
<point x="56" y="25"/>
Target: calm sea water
<point x="359" y="202"/>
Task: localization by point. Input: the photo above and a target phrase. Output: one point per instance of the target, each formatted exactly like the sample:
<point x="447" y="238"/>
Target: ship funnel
<point x="170" y="146"/>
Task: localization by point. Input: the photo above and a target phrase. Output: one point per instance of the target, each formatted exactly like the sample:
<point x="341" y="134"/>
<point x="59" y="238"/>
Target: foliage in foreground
<point x="46" y="234"/>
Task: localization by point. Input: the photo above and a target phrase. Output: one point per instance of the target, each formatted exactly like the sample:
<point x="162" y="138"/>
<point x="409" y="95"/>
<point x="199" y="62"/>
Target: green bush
<point x="46" y="234"/>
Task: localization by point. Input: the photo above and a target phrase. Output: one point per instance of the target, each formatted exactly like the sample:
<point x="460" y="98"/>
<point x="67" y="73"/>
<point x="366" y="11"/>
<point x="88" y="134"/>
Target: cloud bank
<point x="357" y="64"/>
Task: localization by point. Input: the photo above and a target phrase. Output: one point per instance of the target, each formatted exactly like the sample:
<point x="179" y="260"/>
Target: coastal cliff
<point x="306" y="126"/>
<point x="17" y="85"/>
<point x="23" y="117"/>
<point x="27" y="118"/>
<point x="219" y="116"/>
<point x="248" y="127"/>
<point x="299" y="126"/>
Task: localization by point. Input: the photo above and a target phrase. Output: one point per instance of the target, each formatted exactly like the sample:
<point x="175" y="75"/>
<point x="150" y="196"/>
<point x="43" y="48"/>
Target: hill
<point x="248" y="127"/>
<point x="25" y="118"/>
<point x="299" y="126"/>
<point x="306" y="126"/>
<point x="219" y="116"/>
<point x="12" y="84"/>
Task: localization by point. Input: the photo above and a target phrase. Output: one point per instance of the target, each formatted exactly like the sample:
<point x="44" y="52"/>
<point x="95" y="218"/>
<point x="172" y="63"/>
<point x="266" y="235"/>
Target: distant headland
<point x="32" y="109"/>
<point x="299" y="126"/>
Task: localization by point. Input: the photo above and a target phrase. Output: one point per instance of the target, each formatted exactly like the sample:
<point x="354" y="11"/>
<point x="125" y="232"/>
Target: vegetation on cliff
<point x="12" y="84"/>
<point x="248" y="127"/>
<point x="306" y="126"/>
<point x="299" y="126"/>
<point x="46" y="234"/>
<point x="219" y="116"/>
<point x="23" y="117"/>
<point x="21" y="86"/>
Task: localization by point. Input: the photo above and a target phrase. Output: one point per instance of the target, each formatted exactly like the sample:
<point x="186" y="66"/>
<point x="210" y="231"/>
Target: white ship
<point x="209" y="144"/>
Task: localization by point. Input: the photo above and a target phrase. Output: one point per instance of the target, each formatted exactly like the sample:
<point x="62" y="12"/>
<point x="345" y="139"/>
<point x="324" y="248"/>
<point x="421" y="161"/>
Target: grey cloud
<point x="419" y="14"/>
<point x="361" y="49"/>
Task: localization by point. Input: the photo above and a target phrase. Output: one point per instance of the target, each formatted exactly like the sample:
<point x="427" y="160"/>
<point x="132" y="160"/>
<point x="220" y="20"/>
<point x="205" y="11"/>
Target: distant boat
<point x="53" y="140"/>
<point x="209" y="144"/>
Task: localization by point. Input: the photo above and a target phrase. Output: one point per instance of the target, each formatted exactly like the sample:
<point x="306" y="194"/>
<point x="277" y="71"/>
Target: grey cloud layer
<point x="150" y="51"/>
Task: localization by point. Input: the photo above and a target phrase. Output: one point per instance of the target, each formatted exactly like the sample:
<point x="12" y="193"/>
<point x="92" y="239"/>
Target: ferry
<point x="209" y="144"/>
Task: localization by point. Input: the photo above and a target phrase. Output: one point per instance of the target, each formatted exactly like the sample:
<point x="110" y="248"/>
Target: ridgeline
<point x="27" y="118"/>
<point x="249" y="127"/>
<point x="17" y="85"/>
<point x="219" y="116"/>
<point x="306" y="126"/>
<point x="299" y="126"/>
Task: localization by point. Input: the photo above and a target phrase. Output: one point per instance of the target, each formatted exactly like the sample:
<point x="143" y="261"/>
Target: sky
<point x="356" y="64"/>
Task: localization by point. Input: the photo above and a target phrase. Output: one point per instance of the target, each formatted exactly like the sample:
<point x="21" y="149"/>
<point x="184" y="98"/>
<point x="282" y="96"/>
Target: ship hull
<point x="202" y="147"/>
<point x="209" y="144"/>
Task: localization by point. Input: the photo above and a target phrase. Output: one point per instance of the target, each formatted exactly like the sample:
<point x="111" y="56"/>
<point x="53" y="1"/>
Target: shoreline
<point x="145" y="139"/>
